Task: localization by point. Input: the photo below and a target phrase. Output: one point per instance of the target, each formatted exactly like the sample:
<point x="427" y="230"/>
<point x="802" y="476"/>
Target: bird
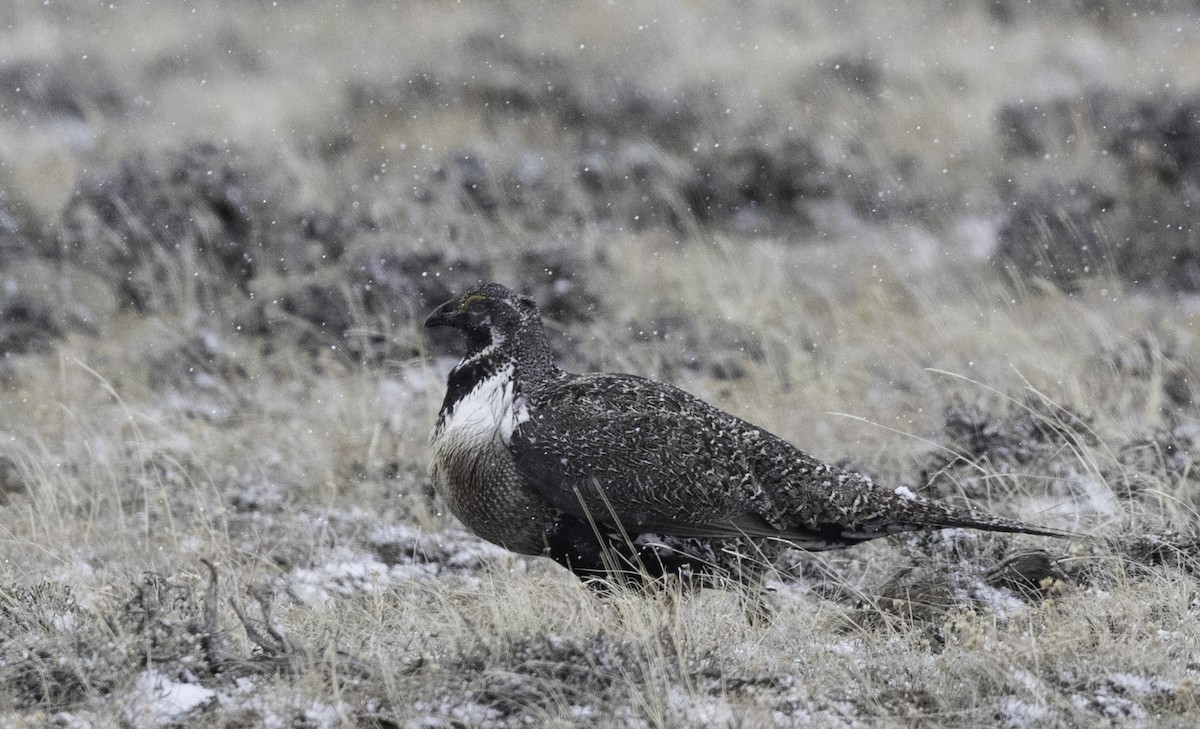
<point x="624" y="479"/>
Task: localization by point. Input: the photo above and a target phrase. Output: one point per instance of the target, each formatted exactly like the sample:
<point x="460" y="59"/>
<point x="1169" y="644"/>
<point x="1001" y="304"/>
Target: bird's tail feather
<point x="914" y="512"/>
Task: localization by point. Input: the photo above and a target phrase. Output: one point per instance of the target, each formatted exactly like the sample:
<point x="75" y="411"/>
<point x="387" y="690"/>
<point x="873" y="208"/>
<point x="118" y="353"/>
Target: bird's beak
<point x="446" y="315"/>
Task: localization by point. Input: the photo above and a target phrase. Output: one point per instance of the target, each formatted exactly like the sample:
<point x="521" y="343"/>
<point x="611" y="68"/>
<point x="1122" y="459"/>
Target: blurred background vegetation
<point x="314" y="169"/>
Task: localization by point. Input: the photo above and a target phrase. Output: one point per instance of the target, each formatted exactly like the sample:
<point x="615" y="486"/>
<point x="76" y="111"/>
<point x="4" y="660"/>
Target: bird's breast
<point x="474" y="471"/>
<point x="487" y="410"/>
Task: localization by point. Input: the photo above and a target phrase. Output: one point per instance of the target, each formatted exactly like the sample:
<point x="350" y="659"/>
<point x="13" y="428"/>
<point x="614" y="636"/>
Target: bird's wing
<point x="624" y="450"/>
<point x="620" y="449"/>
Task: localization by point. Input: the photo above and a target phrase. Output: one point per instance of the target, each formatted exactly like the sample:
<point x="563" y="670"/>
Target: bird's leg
<point x="604" y="557"/>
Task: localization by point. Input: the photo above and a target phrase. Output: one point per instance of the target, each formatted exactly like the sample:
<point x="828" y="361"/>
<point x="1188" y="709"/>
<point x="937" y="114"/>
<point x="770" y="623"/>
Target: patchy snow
<point x="844" y="647"/>
<point x="397" y="532"/>
<point x="392" y="542"/>
<point x="158" y="700"/>
<point x="905" y="492"/>
<point x="1026" y="680"/>
<point x="319" y="585"/>
<point x="1116" y="706"/>
<point x="475" y="714"/>
<point x="453" y="547"/>
<point x="64" y="622"/>
<point x="323" y="716"/>
<point x="1018" y="714"/>
<point x="1119" y="695"/>
<point x="282" y="707"/>
<point x="468" y="713"/>
<point x="1140" y="686"/>
<point x="475" y="554"/>
<point x="807" y="713"/>
<point x="1000" y="602"/>
<point x="701" y="711"/>
<point x="67" y="720"/>
<point x="397" y="553"/>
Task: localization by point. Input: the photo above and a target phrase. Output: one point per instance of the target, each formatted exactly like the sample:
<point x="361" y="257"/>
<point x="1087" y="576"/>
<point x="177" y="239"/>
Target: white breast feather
<point x="488" y="411"/>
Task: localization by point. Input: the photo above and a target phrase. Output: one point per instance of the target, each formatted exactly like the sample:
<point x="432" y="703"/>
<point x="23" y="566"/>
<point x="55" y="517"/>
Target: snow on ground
<point x="1018" y="714"/>
<point x="400" y="553"/>
<point x="281" y="707"/>
<point x="353" y="574"/>
<point x="157" y="700"/>
<point x="702" y="711"/>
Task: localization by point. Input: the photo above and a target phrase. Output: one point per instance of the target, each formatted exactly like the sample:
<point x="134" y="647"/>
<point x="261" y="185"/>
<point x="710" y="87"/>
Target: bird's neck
<point x="534" y="362"/>
<point x="526" y="351"/>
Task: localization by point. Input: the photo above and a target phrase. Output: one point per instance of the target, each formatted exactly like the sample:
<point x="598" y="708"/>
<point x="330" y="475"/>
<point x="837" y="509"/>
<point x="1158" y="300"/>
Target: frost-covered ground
<point x="951" y="245"/>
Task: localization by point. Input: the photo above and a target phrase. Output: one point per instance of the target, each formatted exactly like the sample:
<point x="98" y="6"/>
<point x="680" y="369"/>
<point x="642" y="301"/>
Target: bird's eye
<point x="478" y="307"/>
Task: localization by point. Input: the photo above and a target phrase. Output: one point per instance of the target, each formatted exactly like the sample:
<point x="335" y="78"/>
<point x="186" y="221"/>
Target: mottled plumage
<point x="617" y="474"/>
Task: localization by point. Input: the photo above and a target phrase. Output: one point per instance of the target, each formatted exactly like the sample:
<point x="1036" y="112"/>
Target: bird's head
<point x="487" y="314"/>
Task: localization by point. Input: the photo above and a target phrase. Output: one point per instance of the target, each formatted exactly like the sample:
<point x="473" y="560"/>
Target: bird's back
<point x="648" y="456"/>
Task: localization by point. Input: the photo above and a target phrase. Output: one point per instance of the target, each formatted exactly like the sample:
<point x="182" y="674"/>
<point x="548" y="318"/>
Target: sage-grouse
<point x="620" y="476"/>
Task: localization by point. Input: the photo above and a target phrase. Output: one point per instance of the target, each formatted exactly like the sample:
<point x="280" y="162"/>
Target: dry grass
<point x="299" y="491"/>
<point x="149" y="444"/>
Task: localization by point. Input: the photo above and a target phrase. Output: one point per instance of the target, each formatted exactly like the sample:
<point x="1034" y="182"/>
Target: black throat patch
<point x="467" y="375"/>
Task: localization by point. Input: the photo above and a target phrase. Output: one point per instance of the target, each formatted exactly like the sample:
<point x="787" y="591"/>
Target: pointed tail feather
<point x="970" y="519"/>
<point x="914" y="513"/>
